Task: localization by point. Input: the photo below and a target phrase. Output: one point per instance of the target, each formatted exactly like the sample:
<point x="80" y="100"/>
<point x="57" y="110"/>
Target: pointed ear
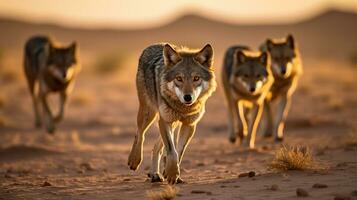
<point x="240" y="57"/>
<point x="270" y="44"/>
<point x="171" y="57"/>
<point x="290" y="41"/>
<point x="264" y="58"/>
<point x="73" y="47"/>
<point x="205" y="56"/>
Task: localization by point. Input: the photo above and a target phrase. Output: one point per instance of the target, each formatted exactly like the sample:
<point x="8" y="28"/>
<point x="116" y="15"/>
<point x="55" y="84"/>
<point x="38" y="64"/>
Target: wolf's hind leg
<point x="146" y="116"/>
<point x="155" y="165"/>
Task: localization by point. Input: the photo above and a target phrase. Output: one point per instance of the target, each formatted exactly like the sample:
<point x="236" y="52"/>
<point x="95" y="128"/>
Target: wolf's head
<point x="282" y="55"/>
<point x="188" y="73"/>
<point x="250" y="71"/>
<point x="61" y="61"/>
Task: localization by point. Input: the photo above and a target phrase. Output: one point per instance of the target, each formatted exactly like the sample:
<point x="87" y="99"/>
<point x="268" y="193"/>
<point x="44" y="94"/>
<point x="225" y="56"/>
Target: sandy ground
<point x="86" y="158"/>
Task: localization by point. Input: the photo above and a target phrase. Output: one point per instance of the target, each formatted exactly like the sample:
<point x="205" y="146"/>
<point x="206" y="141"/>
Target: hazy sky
<point x="147" y="13"/>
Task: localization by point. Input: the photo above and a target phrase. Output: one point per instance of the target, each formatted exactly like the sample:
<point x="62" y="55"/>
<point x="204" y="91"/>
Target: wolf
<point x="173" y="84"/>
<point x="49" y="68"/>
<point x="246" y="78"/>
<point x="287" y="68"/>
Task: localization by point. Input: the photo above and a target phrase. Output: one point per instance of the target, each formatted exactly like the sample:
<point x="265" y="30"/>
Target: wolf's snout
<point x="64" y="75"/>
<point x="283" y="71"/>
<point x="252" y="89"/>
<point x="187" y="98"/>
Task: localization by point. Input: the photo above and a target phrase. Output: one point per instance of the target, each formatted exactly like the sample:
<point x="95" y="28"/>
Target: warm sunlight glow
<point x="132" y="14"/>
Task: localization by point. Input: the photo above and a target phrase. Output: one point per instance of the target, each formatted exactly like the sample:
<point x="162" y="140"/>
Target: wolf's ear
<point x="73" y="47"/>
<point x="205" y="56"/>
<point x="240" y="57"/>
<point x="290" y="41"/>
<point x="264" y="58"/>
<point x="270" y="44"/>
<point x="171" y="57"/>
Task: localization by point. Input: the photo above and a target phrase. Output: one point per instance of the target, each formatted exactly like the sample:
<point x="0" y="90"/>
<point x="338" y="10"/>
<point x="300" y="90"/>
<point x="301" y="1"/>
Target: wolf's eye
<point x="258" y="76"/>
<point x="245" y="75"/>
<point x="196" y="78"/>
<point x="178" y="78"/>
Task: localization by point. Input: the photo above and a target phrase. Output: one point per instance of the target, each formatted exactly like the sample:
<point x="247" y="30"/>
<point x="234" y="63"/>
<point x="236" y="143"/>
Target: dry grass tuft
<point x="293" y="158"/>
<point x="167" y="193"/>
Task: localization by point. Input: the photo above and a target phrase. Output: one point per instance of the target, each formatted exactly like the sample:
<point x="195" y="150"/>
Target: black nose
<point x="283" y="71"/>
<point x="187" y="98"/>
<point x="252" y="89"/>
<point x="64" y="75"/>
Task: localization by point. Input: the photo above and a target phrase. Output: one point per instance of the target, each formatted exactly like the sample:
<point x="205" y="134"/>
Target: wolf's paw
<point x="38" y="123"/>
<point x="232" y="139"/>
<point x="279" y="139"/>
<point x="172" y="170"/>
<point x="155" y="177"/>
<point x="51" y="129"/>
<point x="58" y="118"/>
<point x="180" y="181"/>
<point x="135" y="158"/>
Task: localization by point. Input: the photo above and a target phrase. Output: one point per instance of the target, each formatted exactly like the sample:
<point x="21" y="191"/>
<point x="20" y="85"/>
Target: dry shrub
<point x="293" y="158"/>
<point x="166" y="193"/>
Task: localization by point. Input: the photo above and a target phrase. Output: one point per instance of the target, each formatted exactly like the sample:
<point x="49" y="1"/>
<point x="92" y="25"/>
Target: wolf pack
<point x="173" y="84"/>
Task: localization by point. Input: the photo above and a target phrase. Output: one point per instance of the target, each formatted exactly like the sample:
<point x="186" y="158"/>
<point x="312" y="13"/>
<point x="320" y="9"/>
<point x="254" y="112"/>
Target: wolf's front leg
<point x="172" y="161"/>
<point x="155" y="174"/>
<point x="281" y="114"/>
<point x="257" y="111"/>
<point x="242" y="121"/>
<point x="145" y="118"/>
<point x="48" y="118"/>
<point x="63" y="98"/>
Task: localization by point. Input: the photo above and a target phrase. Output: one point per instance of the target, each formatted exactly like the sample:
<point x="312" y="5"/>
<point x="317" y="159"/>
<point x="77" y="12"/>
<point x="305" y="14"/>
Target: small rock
<point x="200" y="164"/>
<point x="87" y="166"/>
<point x="46" y="183"/>
<point x="342" y="197"/>
<point x="301" y="192"/>
<point x="198" y="191"/>
<point x="274" y="187"/>
<point x="247" y="174"/>
<point x="319" y="185"/>
<point x="223" y="186"/>
<point x="126" y="179"/>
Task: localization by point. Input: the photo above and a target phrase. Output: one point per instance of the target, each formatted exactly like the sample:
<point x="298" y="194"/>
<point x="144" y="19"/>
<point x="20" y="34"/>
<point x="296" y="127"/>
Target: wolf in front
<point x="173" y="84"/>
<point x="49" y="68"/>
<point x="247" y="78"/>
<point x="287" y="68"/>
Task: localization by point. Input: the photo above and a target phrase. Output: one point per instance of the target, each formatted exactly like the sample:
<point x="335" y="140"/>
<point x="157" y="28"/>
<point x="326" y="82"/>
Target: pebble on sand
<point x="319" y="185"/>
<point x="249" y="174"/>
<point x="46" y="183"/>
<point x="301" y="192"/>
